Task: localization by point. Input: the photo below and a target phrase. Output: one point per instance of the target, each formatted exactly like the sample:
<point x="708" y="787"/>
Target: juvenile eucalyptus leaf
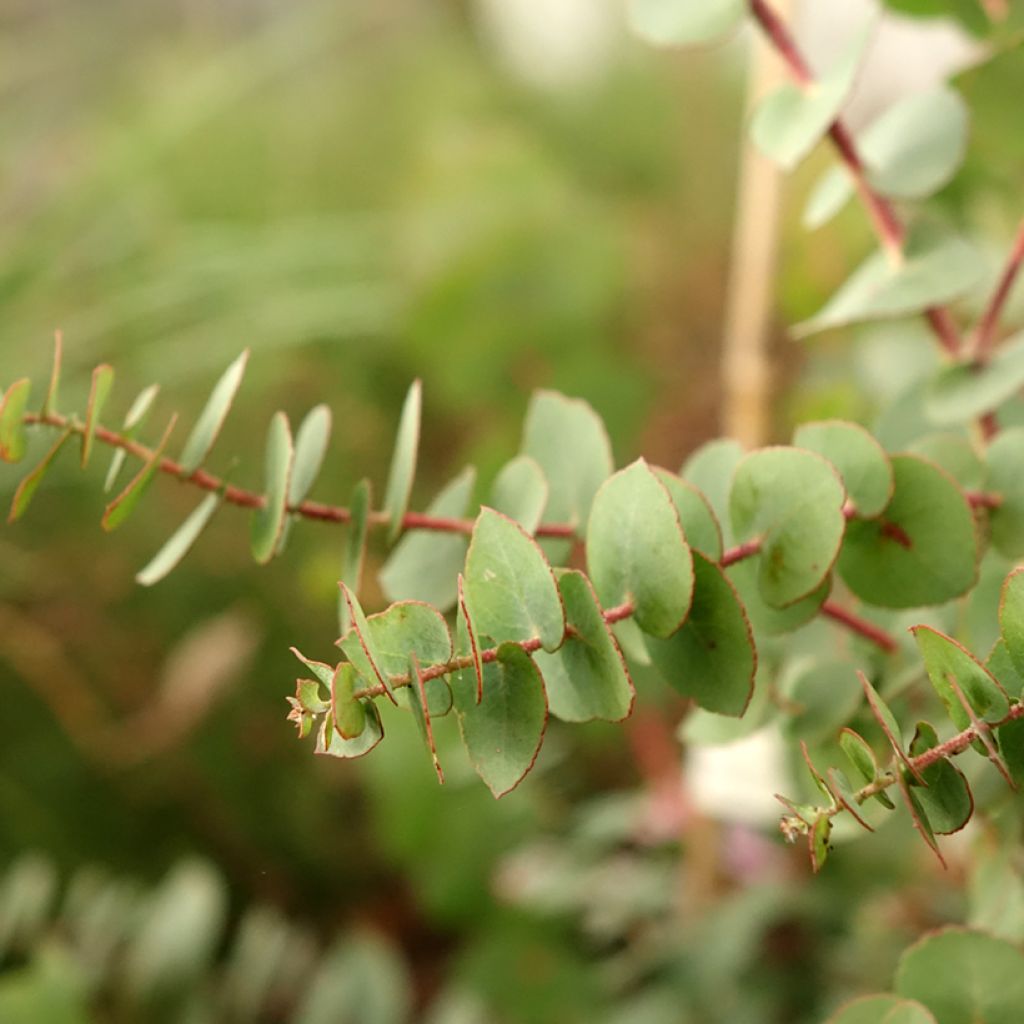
<point x="510" y="590"/>
<point x="1011" y="618"/>
<point x="323" y="671"/>
<point x="965" y="389"/>
<point x="569" y="442"/>
<point x="955" y="454"/>
<point x="792" y="120"/>
<point x="946" y="798"/>
<point x="683" y="22"/>
<point x="964" y="977"/>
<point x="99" y="392"/>
<point x="862" y="758"/>
<point x="423" y="564"/>
<point x="348" y="713"/>
<point x="359" y="644"/>
<point x="520" y="492"/>
<point x="207" y="427"/>
<point x="935" y="269"/>
<point x="700" y="526"/>
<point x="403" y="461"/>
<point x="311" y="441"/>
<point x="882" y="1009"/>
<point x="944" y="658"/>
<point x="127" y="501"/>
<point x="268" y="521"/>
<point x="586" y="678"/>
<point x="1010" y="737"/>
<point x="419" y="703"/>
<point x="504" y="732"/>
<point x="860" y="460"/>
<point x="919" y="817"/>
<point x="710" y="469"/>
<point x="355" y="548"/>
<point x="133" y="421"/>
<point x="1005" y="477"/>
<point x="792" y="500"/>
<point x="1001" y="665"/>
<point x="30" y="484"/>
<point x="12" y="427"/>
<point x="711" y="658"/>
<point x="817" y="841"/>
<point x="408" y="626"/>
<point x="180" y="542"/>
<point x="466" y="640"/>
<point x="329" y="741"/>
<point x="923" y="550"/>
<point x="765" y="619"/>
<point x="636" y="550"/>
<point x="887" y="720"/>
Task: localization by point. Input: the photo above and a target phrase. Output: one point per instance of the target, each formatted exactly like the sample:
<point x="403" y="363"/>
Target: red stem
<point x="985" y="334"/>
<point x="866" y="629"/>
<point x="882" y="213"/>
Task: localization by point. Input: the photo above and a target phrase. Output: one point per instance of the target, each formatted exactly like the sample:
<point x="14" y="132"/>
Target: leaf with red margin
<point x="99" y="392"/>
<point x="946" y="799"/>
<point x="844" y="793"/>
<point x="887" y="720"/>
<point x="28" y="487"/>
<point x="416" y="697"/>
<point x="125" y="503"/>
<point x="984" y="736"/>
<point x="348" y="713"/>
<point x="474" y="650"/>
<point x="358" y="643"/>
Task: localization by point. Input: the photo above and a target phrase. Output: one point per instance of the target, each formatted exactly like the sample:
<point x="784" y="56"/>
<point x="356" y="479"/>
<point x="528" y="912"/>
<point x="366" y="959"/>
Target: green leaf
<point x="1011" y="618"/>
<point x="127" y="501"/>
<point x="424" y="564"/>
<point x="180" y="542"/>
<point x="793" y="501"/>
<point x="28" y="487"/>
<point x="403" y="461"/>
<point x="52" y="400"/>
<point x="923" y="551"/>
<point x="964" y="977"/>
<point x="817" y="841"/>
<point x="347" y="712"/>
<point x="711" y="658"/>
<point x="944" y="657"/>
<point x="964" y="390"/>
<point x="586" y="678"/>
<point x="882" y="1009"/>
<point x="12" y="427"/>
<point x="520" y="492"/>
<point x="408" y="626"/>
<point x="133" y="421"/>
<point x="568" y="440"/>
<point x="683" y="22"/>
<point x="820" y="697"/>
<point x="510" y="590"/>
<point x="765" y="619"/>
<point x="418" y="702"/>
<point x="636" y="551"/>
<point x="887" y="720"/>
<point x="204" y="434"/>
<point x="700" y="526"/>
<point x="358" y="644"/>
<point x="862" y="757"/>
<point x="911" y="151"/>
<point x="792" y="120"/>
<point x="945" y="798"/>
<point x="355" y="548"/>
<point x="710" y="469"/>
<point x="859" y="459"/>
<point x="1001" y="665"/>
<point x="504" y="732"/>
<point x="268" y="521"/>
<point x="917" y="814"/>
<point x="1011" y="742"/>
<point x="330" y="741"/>
<point x="467" y="642"/>
<point x="99" y="392"/>
<point x="935" y="269"/>
<point x="310" y="448"/>
<point x="1005" y="477"/>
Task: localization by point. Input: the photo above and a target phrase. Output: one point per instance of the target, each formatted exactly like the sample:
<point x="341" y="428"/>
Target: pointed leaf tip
<point x="208" y="426"/>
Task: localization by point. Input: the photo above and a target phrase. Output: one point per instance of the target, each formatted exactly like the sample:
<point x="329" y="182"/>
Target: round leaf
<point x="711" y="658"/>
<point x="883" y="1009"/>
<point x="955" y="454"/>
<point x="860" y="460"/>
<point x="503" y="733"/>
<point x="923" y="551"/>
<point x="945" y="798"/>
<point x="408" y="627"/>
<point x="329" y="741"/>
<point x="510" y="589"/>
<point x="586" y="678"/>
<point x="520" y="492"/>
<point x="964" y="977"/>
<point x="965" y="390"/>
<point x="636" y="550"/>
<point x="793" y="501"/>
<point x="765" y="619"/>
<point x="700" y="525"/>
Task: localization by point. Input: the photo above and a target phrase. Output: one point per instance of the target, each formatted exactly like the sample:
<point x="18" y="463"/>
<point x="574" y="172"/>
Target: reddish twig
<point x="884" y="219"/>
<point x="740" y="552"/>
<point x="985" y="333"/>
<point x="866" y="629"/>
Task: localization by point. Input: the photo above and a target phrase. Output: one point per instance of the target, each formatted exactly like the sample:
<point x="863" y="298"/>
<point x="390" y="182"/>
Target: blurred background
<point x="491" y="196"/>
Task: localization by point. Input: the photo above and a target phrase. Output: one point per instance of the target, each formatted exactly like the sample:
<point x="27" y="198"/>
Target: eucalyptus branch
<point x="610" y="616"/>
<point x="884" y="218"/>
